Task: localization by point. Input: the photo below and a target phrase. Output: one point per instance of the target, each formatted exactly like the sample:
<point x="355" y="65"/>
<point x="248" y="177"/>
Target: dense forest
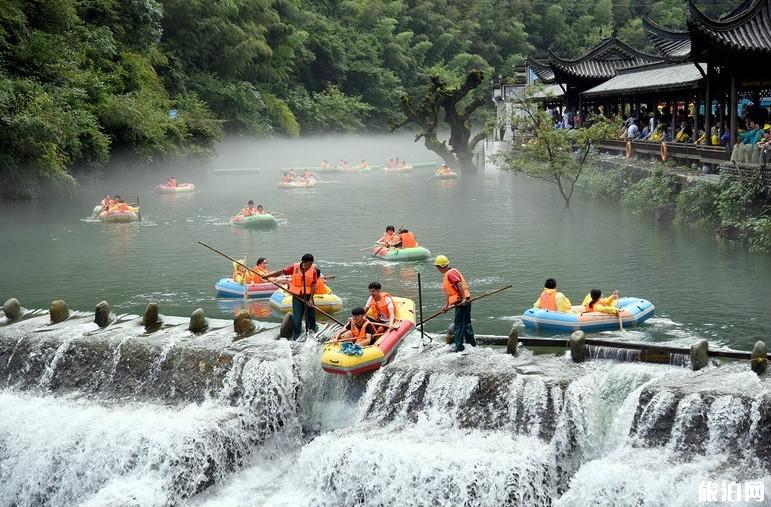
<point x="82" y="80"/>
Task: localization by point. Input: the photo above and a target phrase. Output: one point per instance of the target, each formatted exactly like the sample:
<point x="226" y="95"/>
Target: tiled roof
<point x="654" y="78"/>
<point x="746" y="29"/>
<point x="672" y="45"/>
<point x="601" y="62"/>
<point x="542" y="69"/>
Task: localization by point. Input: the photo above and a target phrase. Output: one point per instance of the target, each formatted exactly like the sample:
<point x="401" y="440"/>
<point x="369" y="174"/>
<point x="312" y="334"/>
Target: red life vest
<point x="451" y="291"/>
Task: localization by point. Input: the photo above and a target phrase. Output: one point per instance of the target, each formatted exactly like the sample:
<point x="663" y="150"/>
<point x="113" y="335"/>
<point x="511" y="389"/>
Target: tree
<point x="554" y="155"/>
<point x="444" y="98"/>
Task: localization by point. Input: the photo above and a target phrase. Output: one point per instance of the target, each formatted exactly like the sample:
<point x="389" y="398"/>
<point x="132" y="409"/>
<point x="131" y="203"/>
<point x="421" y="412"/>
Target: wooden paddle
<point x="306" y="303"/>
<point x="471" y="300"/>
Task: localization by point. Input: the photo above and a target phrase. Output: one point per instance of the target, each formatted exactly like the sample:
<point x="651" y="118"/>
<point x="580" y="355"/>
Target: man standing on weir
<point x="303" y="285"/>
<point x="459" y="297"/>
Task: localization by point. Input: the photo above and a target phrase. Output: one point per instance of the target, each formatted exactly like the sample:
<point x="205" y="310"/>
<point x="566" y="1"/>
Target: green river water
<point x="498" y="228"/>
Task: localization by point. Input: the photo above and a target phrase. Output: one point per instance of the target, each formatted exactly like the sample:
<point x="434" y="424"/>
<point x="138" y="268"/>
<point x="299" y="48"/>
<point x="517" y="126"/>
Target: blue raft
<point x="632" y="311"/>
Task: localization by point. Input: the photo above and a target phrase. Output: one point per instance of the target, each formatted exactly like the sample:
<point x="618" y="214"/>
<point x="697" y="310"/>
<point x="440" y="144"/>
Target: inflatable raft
<point x="632" y="311"/>
<point x="445" y="176"/>
<point x="402" y="169"/>
<point x="309" y="183"/>
<point x="376" y="355"/>
<point x="229" y="288"/>
<point x="417" y="253"/>
<point x="179" y="189"/>
<point x="257" y="220"/>
<point x="281" y="300"/>
<point x="116" y="216"/>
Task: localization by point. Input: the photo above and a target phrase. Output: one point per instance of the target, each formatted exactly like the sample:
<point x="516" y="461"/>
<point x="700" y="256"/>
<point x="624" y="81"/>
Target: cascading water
<point x="269" y="427"/>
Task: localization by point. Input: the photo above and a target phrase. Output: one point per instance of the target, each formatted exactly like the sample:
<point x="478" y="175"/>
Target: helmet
<point x="441" y="261"/>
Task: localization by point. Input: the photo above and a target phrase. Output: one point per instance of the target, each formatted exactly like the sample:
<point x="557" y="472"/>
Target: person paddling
<point x="358" y="329"/>
<point x="458" y="297"/>
<point x="303" y="284"/>
<point x="594" y="302"/>
<point x="389" y="237"/>
<point x="382" y="305"/>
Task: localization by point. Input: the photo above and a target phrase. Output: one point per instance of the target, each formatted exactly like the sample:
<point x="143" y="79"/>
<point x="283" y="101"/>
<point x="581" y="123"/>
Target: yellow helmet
<point x="441" y="261"/>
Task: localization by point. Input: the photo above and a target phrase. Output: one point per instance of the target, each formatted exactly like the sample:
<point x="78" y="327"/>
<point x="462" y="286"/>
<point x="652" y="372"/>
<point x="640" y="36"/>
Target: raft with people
<point x="416" y="253"/>
<point x="407" y="168"/>
<point x="631" y="312"/>
<point x="297" y="183"/>
<point x="344" y="358"/>
<point x="445" y="173"/>
<point x="326" y="300"/>
<point x="180" y="188"/>
<point x="229" y="288"/>
<point x="112" y="211"/>
<point x="254" y="220"/>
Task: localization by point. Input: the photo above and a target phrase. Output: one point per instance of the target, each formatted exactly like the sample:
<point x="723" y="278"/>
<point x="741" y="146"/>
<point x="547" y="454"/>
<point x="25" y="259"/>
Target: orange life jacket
<point x="247" y="212"/>
<point x="408" y="240"/>
<point x="122" y="206"/>
<point x="450" y="289"/>
<point x="255" y="276"/>
<point x="548" y="300"/>
<point x="302" y="283"/>
<point x="360" y="333"/>
<point x="380" y="308"/>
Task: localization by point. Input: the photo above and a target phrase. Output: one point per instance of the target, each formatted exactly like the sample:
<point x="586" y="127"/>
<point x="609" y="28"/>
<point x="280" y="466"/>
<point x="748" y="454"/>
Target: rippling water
<point x="498" y="228"/>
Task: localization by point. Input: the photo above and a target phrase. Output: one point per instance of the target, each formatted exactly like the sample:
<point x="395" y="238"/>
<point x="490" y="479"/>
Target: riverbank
<point x="733" y="205"/>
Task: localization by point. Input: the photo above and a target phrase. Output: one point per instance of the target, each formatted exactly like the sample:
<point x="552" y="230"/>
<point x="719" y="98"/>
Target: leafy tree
<point x="441" y="98"/>
<point x="558" y="156"/>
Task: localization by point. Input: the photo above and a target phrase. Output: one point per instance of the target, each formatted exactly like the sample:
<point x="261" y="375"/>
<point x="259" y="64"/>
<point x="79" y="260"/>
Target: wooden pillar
<point x="707" y="110"/>
<point x="732" y="110"/>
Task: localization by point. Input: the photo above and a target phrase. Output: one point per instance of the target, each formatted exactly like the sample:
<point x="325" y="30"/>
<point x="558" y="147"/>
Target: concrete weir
<point x="119" y="359"/>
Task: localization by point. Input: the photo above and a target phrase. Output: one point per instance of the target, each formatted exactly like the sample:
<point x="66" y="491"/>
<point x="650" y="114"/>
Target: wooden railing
<point x="679" y="151"/>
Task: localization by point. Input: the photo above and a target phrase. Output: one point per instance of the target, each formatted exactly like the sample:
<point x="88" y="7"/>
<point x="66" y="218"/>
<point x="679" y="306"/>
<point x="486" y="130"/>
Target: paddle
<point x="420" y="302"/>
<point x="306" y="303"/>
<point x="139" y="210"/>
<point x="472" y="299"/>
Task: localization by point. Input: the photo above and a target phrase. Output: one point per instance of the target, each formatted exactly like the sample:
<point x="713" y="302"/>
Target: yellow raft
<point x="281" y="300"/>
<point x="376" y="355"/>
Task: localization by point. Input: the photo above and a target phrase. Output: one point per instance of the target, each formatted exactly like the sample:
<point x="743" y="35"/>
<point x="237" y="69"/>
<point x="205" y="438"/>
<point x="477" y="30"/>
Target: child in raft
<point x="594" y="302"/>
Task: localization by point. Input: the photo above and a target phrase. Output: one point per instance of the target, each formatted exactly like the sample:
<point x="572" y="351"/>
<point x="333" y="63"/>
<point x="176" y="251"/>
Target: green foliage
<point x="655" y="193"/>
<point x="606" y="185"/>
<point x="112" y="69"/>
<point x="558" y="156"/>
<point x="696" y="205"/>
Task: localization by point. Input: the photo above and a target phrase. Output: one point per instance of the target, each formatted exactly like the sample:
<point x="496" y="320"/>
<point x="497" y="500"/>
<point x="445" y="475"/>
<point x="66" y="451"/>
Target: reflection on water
<point x="497" y="228"/>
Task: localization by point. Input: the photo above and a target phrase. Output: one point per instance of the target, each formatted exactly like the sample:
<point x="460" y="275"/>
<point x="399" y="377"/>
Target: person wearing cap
<point x="358" y="329"/>
<point x="303" y="284"/>
<point x="458" y="297"/>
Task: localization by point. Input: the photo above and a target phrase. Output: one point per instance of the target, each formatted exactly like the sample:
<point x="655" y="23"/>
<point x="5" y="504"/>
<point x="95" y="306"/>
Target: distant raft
<point x="281" y="300"/>
<point x="447" y="174"/>
<point x="229" y="288"/>
<point x="401" y="169"/>
<point x="309" y="183"/>
<point x="632" y="311"/>
<point x="254" y="221"/>
<point x="333" y="360"/>
<point x="117" y="216"/>
<point x="179" y="189"/>
<point x="417" y="253"/>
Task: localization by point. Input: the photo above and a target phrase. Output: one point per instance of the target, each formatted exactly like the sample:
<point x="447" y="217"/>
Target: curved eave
<point x="747" y="31"/>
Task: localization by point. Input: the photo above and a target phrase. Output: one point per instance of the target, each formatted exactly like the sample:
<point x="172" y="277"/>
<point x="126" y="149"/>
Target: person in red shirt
<point x="303" y="284"/>
<point x="459" y="298"/>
